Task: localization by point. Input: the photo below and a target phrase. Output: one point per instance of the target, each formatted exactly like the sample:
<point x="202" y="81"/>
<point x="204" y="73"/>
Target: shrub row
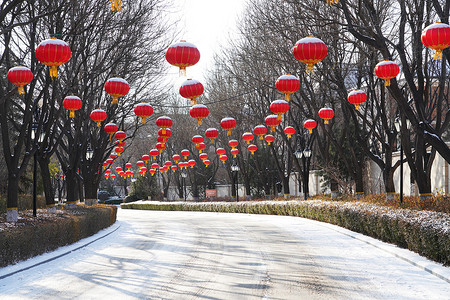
<point x="34" y="236"/>
<point x="424" y="232"/>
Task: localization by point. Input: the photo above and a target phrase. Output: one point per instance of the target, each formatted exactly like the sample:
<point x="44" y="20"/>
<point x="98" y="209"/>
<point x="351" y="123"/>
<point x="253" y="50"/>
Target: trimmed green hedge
<point x="43" y="235"/>
<point x="423" y="232"/>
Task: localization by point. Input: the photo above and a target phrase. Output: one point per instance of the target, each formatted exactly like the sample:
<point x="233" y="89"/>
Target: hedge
<point x="44" y="235"/>
<point x="424" y="232"/>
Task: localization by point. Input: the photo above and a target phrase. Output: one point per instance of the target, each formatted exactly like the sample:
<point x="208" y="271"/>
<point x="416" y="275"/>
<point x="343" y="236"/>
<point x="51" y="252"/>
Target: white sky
<point x="206" y="24"/>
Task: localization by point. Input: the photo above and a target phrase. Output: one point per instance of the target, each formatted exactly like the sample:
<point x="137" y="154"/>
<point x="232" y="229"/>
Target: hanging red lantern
<point x="174" y="168"/>
<point x="223" y="158"/>
<point x="200" y="147"/>
<point x="140" y="163"/>
<point x="326" y="114"/>
<point x="118" y="150"/>
<point x="152" y="171"/>
<point x="212" y="133"/>
<point x="113" y="155"/>
<point x="207" y="162"/>
<point x="203" y="156"/>
<point x="185" y="153"/>
<point x="272" y="121"/>
<point x="53" y="53"/>
<point x="234" y="152"/>
<point x="289" y="130"/>
<point x="143" y="110"/>
<point x="247" y="136"/>
<point x="98" y="115"/>
<point x="228" y="124"/>
<point x="176" y="158"/>
<point x="120" y="135"/>
<point x="199" y="112"/>
<point x="197" y="139"/>
<point x="279" y="107"/>
<point x="269" y="139"/>
<point x="287" y="84"/>
<point x="105" y="164"/>
<point x="260" y="130"/>
<point x="220" y="151"/>
<point x="437" y="37"/>
<point x="117" y="87"/>
<point x="356" y="97"/>
<point x="162" y="139"/>
<point x="310" y="50"/>
<point x="106" y="176"/>
<point x="154" y="153"/>
<point x="387" y="70"/>
<point x="191" y="89"/>
<point x="167" y="163"/>
<point x="233" y="143"/>
<point x="167" y="134"/>
<point x="310" y="124"/>
<point x="119" y="144"/>
<point x="182" y="165"/>
<point x="113" y="176"/>
<point x="110" y="129"/>
<point x="155" y="166"/>
<point x="110" y="160"/>
<point x="164" y="123"/>
<point x="20" y="76"/>
<point x="146" y="158"/>
<point x="182" y="55"/>
<point x="119" y="169"/>
<point x="128" y="166"/>
<point x="160" y="147"/>
<point x="72" y="103"/>
<point x="191" y="163"/>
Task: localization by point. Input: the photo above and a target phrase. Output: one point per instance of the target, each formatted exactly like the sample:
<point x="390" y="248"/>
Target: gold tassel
<point x="248" y="142"/>
<point x="272" y="129"/>
<point x="199" y="122"/>
<point x="279" y="117"/>
<point x="182" y="72"/>
<point x="261" y="137"/>
<point x="228" y="132"/>
<point x="143" y="120"/>
<point x="72" y="114"/>
<point x="287" y="97"/>
<point x="326" y="122"/>
<point x="310" y="131"/>
<point x="438" y="54"/>
<point x="99" y="124"/>
<point x="310" y="68"/>
<point x="21" y="90"/>
<point x="53" y="71"/>
<point x="115" y="100"/>
<point x="357" y="106"/>
<point x="387" y="82"/>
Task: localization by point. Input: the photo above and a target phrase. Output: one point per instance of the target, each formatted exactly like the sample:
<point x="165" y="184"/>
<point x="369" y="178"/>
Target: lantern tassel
<point x="200" y="151"/>
<point x="115" y="100"/>
<point x="182" y="72"/>
<point x="279" y="117"/>
<point x="110" y="136"/>
<point x="310" y="68"/>
<point x="289" y="136"/>
<point x="99" y="124"/>
<point x="72" y="114"/>
<point x="212" y="141"/>
<point x="228" y="132"/>
<point x="143" y="120"/>
<point x="387" y="82"/>
<point x="199" y="122"/>
<point x="268" y="143"/>
<point x="253" y="152"/>
<point x="21" y="90"/>
<point x="326" y="122"/>
<point x="272" y="129"/>
<point x="438" y="54"/>
<point x="163" y="131"/>
<point x="357" y="106"/>
<point x="261" y="137"/>
<point x="287" y="97"/>
<point x="248" y="142"/>
<point x="194" y="101"/>
<point x="310" y="131"/>
<point x="53" y="72"/>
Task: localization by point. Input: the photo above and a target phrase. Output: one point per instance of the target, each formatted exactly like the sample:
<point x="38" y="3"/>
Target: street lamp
<point x="184" y="175"/>
<point x="304" y="155"/>
<point x="398" y="126"/>
<point x="235" y="169"/>
<point x="89" y="153"/>
<point x="40" y="138"/>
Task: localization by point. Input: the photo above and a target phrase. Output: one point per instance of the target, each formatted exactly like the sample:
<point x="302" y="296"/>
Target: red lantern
<point x="182" y="55"/>
<point x="220" y="151"/>
<point x="109" y="160"/>
<point x="160" y="147"/>
<point x="183" y="164"/>
<point x="140" y="163"/>
<point x="228" y="124"/>
<point x="234" y="152"/>
<point x="310" y="124"/>
<point x="98" y="115"/>
<point x="197" y="139"/>
<point x="207" y="162"/>
<point x="247" y="136"/>
<point x="191" y="89"/>
<point x="118" y="150"/>
<point x="199" y="112"/>
<point x="310" y="50"/>
<point x="143" y="110"/>
<point x="105" y="164"/>
<point x="113" y="155"/>
<point x="185" y="153"/>
<point x="212" y="133"/>
<point x="272" y="121"/>
<point x="200" y="147"/>
<point x="110" y="129"/>
<point x="191" y="163"/>
<point x="233" y="143"/>
<point x="223" y="158"/>
<point x="203" y="156"/>
<point x="260" y="130"/>
<point x="20" y="76"/>
<point x="120" y="135"/>
<point x="113" y="176"/>
<point x="163" y="123"/>
<point x="387" y="70"/>
<point x="154" y="153"/>
<point x="155" y="166"/>
<point x="53" y="53"/>
<point x="269" y="138"/>
<point x="287" y="84"/>
<point x="167" y="163"/>
<point x="72" y="103"/>
<point x="437" y="37"/>
<point x="326" y="114"/>
<point x="289" y="130"/>
<point x="162" y="139"/>
<point x="174" y="168"/>
<point x="167" y="134"/>
<point x="279" y="107"/>
<point x="357" y="97"/>
<point x="117" y="87"/>
<point x="119" y="169"/>
<point x="128" y="166"/>
<point x="176" y="158"/>
<point x="152" y="171"/>
<point x="119" y="144"/>
<point x="145" y="158"/>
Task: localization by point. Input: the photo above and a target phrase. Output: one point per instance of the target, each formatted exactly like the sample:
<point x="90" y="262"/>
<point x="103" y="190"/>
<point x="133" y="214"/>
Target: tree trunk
<point x="72" y="188"/>
<point x="286" y="189"/>
<point x="12" y="197"/>
<point x="47" y="183"/>
<point x="91" y="182"/>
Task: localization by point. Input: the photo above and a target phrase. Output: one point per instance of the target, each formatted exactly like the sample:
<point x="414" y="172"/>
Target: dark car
<point x="114" y="200"/>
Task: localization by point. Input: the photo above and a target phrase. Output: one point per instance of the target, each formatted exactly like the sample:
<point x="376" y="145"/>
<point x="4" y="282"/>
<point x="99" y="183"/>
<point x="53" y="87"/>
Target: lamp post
<point x="37" y="138"/>
<point x="184" y="175"/>
<point x="304" y="155"/>
<point x="235" y="169"/>
<point x="398" y="126"/>
<point x="89" y="153"/>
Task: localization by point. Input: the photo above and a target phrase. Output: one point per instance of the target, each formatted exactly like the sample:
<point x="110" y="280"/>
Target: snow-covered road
<point x="190" y="255"/>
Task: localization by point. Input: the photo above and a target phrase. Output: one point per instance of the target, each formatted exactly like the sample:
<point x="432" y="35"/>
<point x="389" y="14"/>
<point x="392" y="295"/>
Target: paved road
<point x="190" y="255"/>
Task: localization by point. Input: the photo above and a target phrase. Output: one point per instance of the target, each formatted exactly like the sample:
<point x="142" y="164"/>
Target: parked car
<point x="113" y="200"/>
